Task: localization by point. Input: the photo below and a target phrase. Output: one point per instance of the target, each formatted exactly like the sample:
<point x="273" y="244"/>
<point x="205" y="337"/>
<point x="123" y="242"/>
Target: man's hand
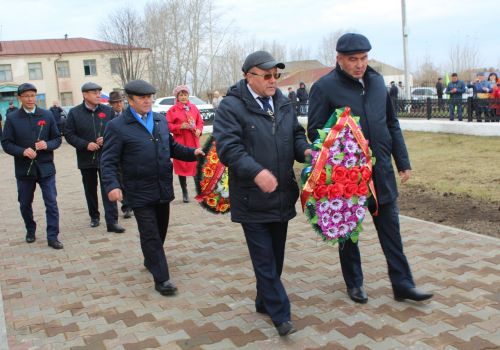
<point x="92" y="146"/>
<point x="40" y="145"/>
<point x="404" y="175"/>
<point x="197" y="132"/>
<point x="115" y="195"/>
<point x="185" y="125"/>
<point x="266" y="181"/>
<point x="29" y="153"/>
<point x="307" y="152"/>
<point x="199" y="152"/>
<point x="100" y="141"/>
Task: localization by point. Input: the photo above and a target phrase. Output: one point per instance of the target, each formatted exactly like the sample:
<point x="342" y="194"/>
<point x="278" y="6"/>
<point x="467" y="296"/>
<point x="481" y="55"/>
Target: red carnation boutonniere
<point x="41" y="124"/>
<point x="101" y="116"/>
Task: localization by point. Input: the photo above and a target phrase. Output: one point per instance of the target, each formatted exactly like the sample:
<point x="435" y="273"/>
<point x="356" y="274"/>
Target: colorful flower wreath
<point x="338" y="180"/>
<point x="212" y="181"/>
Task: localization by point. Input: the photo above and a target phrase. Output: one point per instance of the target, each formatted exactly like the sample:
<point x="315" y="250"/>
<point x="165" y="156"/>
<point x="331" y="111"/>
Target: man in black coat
<point x="59" y="116"/>
<point x="303" y="97"/>
<point x="439" y="93"/>
<point x="353" y="83"/>
<point x="11" y="108"/>
<point x="259" y="138"/>
<point x="140" y="145"/>
<point x="84" y="130"/>
<point x="31" y="136"/>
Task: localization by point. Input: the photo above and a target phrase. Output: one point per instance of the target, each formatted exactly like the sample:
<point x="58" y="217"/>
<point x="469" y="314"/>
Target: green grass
<point x="455" y="163"/>
<point x="459" y="164"/>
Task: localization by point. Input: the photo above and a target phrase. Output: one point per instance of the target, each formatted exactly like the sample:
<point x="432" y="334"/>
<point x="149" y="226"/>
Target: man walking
<point x="439" y="93"/>
<point x="353" y="83"/>
<point x="58" y="114"/>
<point x="84" y="130"/>
<point x="116" y="102"/>
<point x="31" y="136"/>
<point x="259" y="138"/>
<point x="140" y="145"/>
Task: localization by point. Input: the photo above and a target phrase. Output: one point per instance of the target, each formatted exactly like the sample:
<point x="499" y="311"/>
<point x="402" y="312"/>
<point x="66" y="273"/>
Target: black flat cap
<point x="261" y="59"/>
<point x="90" y="86"/>
<point x="350" y="43"/>
<point x="115" y="96"/>
<point x="139" y="88"/>
<point x="25" y="87"/>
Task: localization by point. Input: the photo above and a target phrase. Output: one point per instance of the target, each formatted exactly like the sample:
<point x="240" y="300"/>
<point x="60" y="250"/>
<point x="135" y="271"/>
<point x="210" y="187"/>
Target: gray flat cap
<point x="261" y="59"/>
<point x="90" y="86"/>
<point x="350" y="43"/>
<point x="139" y="88"/>
<point x="25" y="87"/>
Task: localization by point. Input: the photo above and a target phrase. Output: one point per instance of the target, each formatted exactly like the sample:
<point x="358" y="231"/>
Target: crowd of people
<point x="130" y="151"/>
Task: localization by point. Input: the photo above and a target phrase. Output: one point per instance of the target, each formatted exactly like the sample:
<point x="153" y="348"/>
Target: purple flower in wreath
<point x="351" y="146"/>
<point x="336" y="204"/>
<point x="325" y="220"/>
<point x="352" y="225"/>
<point x="361" y="200"/>
<point x="337" y="217"/>
<point x="362" y="159"/>
<point x="349" y="160"/>
<point x="359" y="211"/>
<point x="332" y="232"/>
<point x="343" y="229"/>
<point x="323" y="206"/>
<point x="347" y="215"/>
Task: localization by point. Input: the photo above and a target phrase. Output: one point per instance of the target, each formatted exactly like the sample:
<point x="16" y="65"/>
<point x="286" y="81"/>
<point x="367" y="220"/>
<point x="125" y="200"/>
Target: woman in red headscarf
<point x="186" y="124"/>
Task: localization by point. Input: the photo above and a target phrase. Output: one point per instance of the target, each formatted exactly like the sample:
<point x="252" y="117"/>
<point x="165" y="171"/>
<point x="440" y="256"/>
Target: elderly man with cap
<point x="84" y="130"/>
<point x="259" y="138"/>
<point x="31" y="136"/>
<point x="140" y="144"/>
<point x="355" y="84"/>
<point x="116" y="102"/>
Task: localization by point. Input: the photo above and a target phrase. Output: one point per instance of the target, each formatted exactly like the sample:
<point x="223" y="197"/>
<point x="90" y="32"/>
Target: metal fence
<point x="472" y="109"/>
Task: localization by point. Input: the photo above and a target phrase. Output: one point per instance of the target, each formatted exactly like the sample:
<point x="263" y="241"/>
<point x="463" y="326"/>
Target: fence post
<point x="469" y="109"/>
<point x="429" y="108"/>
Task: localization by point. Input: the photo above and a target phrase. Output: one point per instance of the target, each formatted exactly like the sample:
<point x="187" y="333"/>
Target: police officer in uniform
<point x="84" y="130"/>
<point x="355" y="84"/>
<point x="140" y="144"/>
<point x="31" y="136"/>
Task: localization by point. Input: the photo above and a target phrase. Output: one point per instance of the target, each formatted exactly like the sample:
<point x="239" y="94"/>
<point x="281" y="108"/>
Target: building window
<point x="89" y="67"/>
<point x="115" y="65"/>
<point x="66" y="99"/>
<point x="5" y="72"/>
<point x="40" y="101"/>
<point x="62" y="69"/>
<point x="35" y="71"/>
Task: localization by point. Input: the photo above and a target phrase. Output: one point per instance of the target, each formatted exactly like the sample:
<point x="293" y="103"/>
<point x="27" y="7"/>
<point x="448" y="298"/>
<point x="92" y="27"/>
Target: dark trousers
<point x="89" y="180"/>
<point x="152" y="222"/>
<point x="26" y="191"/>
<point x="266" y="244"/>
<point x="458" y="103"/>
<point x="387" y="226"/>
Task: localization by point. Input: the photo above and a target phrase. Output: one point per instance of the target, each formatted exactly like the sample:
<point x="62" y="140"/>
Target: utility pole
<point x="405" y="50"/>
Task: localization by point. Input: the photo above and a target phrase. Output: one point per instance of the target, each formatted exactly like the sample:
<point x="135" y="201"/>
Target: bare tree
<point x="124" y="28"/>
<point x="327" y="51"/>
<point x="464" y="59"/>
<point x="299" y="53"/>
<point x="427" y="73"/>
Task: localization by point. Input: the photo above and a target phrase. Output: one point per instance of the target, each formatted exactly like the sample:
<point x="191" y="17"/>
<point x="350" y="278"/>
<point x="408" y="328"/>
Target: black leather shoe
<point x="55" y="244"/>
<point x="411" y="294"/>
<point x="185" y="196"/>
<point x="116" y="228"/>
<point x="358" y="295"/>
<point x="94" y="222"/>
<point x="30" y="237"/>
<point x="286" y="328"/>
<point x="127" y="214"/>
<point x="166" y="288"/>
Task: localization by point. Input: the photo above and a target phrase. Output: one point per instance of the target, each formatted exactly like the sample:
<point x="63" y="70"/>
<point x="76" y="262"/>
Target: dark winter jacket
<point x="84" y="126"/>
<point x="302" y="94"/>
<point x="57" y="112"/>
<point x="249" y="141"/>
<point x="459" y="85"/>
<point x="439" y="89"/>
<point x="144" y="159"/>
<point x="10" y="110"/>
<point x="393" y="91"/>
<point x="21" y="131"/>
<point x="378" y="121"/>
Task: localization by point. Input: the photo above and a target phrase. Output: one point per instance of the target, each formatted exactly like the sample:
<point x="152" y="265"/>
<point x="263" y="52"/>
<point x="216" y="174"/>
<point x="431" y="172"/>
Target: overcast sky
<point x="434" y="26"/>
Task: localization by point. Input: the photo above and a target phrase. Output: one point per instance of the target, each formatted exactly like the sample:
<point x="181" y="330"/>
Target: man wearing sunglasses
<point x="259" y="138"/>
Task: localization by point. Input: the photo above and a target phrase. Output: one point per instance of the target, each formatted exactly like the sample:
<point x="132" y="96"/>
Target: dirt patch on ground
<point x="456" y="210"/>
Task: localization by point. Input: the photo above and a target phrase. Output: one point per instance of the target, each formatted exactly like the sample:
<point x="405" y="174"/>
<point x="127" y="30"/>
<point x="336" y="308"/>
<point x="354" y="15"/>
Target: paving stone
<point x="96" y="294"/>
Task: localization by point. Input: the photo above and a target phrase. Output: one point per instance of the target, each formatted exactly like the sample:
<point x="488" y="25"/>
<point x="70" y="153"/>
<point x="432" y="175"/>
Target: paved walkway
<point x="96" y="294"/>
